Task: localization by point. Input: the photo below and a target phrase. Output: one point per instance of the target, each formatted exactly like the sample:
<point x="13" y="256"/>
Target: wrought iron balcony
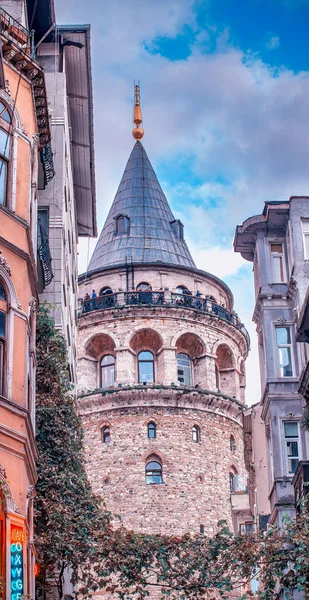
<point x="15" y="32"/>
<point x="153" y="298"/>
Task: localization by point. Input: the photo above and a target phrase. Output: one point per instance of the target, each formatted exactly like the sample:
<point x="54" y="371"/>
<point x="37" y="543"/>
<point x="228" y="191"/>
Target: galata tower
<point x="161" y="369"/>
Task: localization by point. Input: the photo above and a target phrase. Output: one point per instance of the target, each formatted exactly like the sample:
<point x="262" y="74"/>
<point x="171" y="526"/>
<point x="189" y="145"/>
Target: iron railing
<point x="45" y="255"/>
<point x="153" y="298"/>
<point x="14" y="31"/>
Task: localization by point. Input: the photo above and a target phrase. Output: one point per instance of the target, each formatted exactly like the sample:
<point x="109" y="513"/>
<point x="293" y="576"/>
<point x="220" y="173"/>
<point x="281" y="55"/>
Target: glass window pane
<point x="108" y="360"/>
<point x="305" y="224"/>
<point x="145" y="372"/>
<point x="145" y="355"/>
<point x="283" y="335"/>
<point x="307" y="245"/>
<point x="277" y="274"/>
<point x="2" y="324"/>
<point x="108" y="375"/>
<point x="3" y="171"/>
<point x="291" y="429"/>
<point x="151" y="430"/>
<point x="153" y="465"/>
<point x="5" y="143"/>
<point x="292" y="449"/>
<point x="285" y="362"/>
<point x="292" y="465"/>
<point x="276" y="248"/>
<point x="2" y="292"/>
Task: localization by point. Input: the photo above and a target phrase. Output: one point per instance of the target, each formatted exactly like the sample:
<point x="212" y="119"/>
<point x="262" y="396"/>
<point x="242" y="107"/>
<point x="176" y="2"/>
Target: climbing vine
<point x="75" y="539"/>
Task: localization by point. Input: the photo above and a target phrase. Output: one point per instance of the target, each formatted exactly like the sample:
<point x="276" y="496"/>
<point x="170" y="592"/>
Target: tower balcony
<point x="162" y="298"/>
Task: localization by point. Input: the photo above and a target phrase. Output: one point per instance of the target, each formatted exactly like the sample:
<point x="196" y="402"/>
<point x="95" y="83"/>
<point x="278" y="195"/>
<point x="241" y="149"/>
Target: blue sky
<point x="224" y="91"/>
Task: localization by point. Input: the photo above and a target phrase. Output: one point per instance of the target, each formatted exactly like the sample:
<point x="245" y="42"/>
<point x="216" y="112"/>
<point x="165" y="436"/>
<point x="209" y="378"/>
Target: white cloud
<point x="273" y="42"/>
<point x="240" y="122"/>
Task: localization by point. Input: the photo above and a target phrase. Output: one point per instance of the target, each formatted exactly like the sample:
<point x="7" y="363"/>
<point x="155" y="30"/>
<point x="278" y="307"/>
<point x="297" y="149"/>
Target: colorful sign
<point x="18" y="538"/>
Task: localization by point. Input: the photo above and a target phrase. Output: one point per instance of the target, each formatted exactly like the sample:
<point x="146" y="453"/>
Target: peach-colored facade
<point x="20" y="143"/>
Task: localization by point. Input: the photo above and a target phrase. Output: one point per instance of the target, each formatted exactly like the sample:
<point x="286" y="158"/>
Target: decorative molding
<point x="4" y="263"/>
<point x="32" y="305"/>
<point x="18" y="303"/>
<point x="5" y="488"/>
<point x="282" y="320"/>
<point x="7" y="83"/>
<point x="31" y="492"/>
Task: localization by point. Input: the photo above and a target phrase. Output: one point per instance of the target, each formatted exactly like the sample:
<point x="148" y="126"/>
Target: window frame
<point x="3" y="338"/>
<point x="105" y="431"/>
<point x="288" y="439"/>
<point x="151" y="426"/>
<point x="272" y="256"/>
<point x="305" y="234"/>
<point x="145" y="361"/>
<point x="126" y="224"/>
<point x="105" y="367"/>
<point x="187" y="367"/>
<point x="196" y="433"/>
<point x="154" y="472"/>
<point x="278" y="346"/>
<point x="7" y="160"/>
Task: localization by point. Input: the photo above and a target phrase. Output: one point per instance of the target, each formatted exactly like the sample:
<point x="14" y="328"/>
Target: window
<point x="151" y="430"/>
<point x="232" y="444"/>
<point x="177" y="228"/>
<point x="182" y="289"/>
<point x="196" y="436"/>
<point x="283" y="340"/>
<point x="291" y="437"/>
<point x="5" y="149"/>
<point x="232" y="486"/>
<point x="106" y="435"/>
<point x="144" y="286"/>
<point x="107" y="371"/>
<point x="277" y="263"/>
<point x="247" y="528"/>
<point x="153" y="472"/>
<point x="106" y="291"/>
<point x="122" y="224"/>
<point x="3" y="326"/>
<point x="145" y="367"/>
<point x="305" y="227"/>
<point x="184" y="369"/>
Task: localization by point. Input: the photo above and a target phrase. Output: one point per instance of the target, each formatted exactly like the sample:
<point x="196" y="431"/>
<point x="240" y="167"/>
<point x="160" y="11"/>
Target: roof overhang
<point x="275" y="216"/>
<point x="75" y="40"/>
<point x="41" y="17"/>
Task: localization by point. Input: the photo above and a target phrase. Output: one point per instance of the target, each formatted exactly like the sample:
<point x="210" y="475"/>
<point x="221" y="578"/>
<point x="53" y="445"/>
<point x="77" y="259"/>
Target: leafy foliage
<point x="73" y="530"/>
<point x="70" y="521"/>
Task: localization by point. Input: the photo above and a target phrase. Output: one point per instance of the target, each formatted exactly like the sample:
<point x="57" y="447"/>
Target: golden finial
<point x="138" y="131"/>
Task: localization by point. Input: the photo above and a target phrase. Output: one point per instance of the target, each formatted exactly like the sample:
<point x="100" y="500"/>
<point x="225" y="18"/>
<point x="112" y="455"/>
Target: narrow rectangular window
<point x="305" y="228"/>
<point x="277" y="266"/>
<point x="284" y="351"/>
<point x="291" y="439"/>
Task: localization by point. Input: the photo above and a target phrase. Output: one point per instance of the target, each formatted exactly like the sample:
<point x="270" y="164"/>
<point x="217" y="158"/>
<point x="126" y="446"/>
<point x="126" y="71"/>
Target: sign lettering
<point x="18" y="537"/>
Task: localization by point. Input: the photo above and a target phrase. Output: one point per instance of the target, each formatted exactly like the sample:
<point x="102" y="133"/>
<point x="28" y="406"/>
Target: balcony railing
<point x="239" y="484"/>
<point x="153" y="298"/>
<point x="14" y="31"/>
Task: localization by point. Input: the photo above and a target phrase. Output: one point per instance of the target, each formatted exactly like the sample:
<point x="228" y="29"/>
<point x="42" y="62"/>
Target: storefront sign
<point x="18" y="538"/>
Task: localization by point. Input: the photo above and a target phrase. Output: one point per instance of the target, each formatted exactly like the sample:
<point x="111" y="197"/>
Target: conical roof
<point x="152" y="235"/>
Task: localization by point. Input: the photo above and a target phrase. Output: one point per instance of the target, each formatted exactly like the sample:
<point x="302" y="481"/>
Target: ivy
<point x="73" y="532"/>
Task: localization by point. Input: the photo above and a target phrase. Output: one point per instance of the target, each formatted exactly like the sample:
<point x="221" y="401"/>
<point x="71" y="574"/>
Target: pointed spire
<point x="140" y="225"/>
<point x="138" y="131"/>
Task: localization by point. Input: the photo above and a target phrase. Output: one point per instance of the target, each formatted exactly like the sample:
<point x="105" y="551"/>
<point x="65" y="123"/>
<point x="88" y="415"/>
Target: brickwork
<point x="195" y="489"/>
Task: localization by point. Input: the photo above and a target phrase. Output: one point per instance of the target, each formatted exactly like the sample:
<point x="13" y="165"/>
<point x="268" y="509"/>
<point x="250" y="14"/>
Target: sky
<point x="224" y="96"/>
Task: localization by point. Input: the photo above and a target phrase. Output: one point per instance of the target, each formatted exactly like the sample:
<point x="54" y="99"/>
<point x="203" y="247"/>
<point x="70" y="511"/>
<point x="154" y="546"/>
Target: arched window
<point x="107" y="371"/>
<point x="5" y="149"/>
<point x="122" y="224"/>
<point x="3" y="331"/>
<point x="232" y="444"/>
<point x="182" y="289"/>
<point x="106" y="291"/>
<point x="153" y="472"/>
<point x="106" y="435"/>
<point x="196" y="435"/>
<point x="151" y="430"/>
<point x="144" y="286"/>
<point x="184" y="369"/>
<point x="145" y="367"/>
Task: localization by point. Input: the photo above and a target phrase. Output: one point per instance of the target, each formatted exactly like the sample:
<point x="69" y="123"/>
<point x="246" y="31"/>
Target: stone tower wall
<point x="195" y="489"/>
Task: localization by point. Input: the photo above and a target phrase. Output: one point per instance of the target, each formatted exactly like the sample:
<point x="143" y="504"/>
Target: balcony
<point x="160" y="298"/>
<point x="14" y="32"/>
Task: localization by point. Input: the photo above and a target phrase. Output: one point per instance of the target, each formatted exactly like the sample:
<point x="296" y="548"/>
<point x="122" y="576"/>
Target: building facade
<point x="24" y="132"/>
<point x="66" y="173"/>
<point x="161" y="370"/>
<point x="276" y="243"/>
